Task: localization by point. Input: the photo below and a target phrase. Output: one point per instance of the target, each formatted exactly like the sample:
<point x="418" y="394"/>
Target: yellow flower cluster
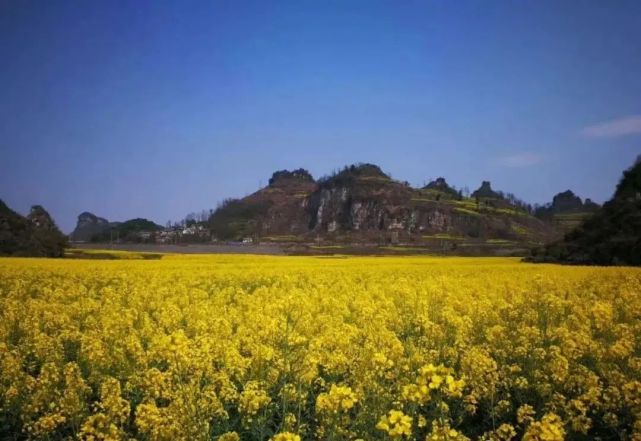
<point x="262" y="348"/>
<point x="396" y="424"/>
<point x="433" y="379"/>
<point x="338" y="399"/>
<point x="443" y="432"/>
<point x="550" y="428"/>
<point x="285" y="436"/>
<point x="252" y="399"/>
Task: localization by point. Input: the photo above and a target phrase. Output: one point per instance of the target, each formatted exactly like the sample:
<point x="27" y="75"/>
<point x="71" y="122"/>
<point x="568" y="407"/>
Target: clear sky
<point x="156" y="109"/>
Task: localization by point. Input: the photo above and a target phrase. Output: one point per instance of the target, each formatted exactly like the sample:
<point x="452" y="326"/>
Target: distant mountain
<point x="566" y="211"/>
<point x="91" y="228"/>
<point x="362" y="204"/>
<point x="35" y="235"/>
<point x="90" y="225"/>
<point x="610" y="236"/>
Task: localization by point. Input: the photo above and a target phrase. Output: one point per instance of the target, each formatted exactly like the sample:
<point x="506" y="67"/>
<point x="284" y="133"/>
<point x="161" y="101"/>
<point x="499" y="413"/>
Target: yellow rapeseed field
<point x="284" y="348"/>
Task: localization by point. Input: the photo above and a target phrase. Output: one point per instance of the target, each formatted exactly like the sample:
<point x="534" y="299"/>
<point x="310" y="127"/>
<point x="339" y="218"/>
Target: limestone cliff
<point x="362" y="204"/>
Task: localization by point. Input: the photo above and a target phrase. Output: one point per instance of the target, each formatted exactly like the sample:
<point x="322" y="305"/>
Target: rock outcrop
<point x="88" y="226"/>
<point x="35" y="235"/>
<point x="441" y="189"/>
<point x="284" y="178"/>
<point x="485" y="191"/>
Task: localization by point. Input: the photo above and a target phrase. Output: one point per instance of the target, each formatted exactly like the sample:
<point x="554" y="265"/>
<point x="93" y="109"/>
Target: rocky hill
<point x="35" y="235"/>
<point x="566" y="211"/>
<point x="88" y="226"/>
<point x="361" y="204"/>
<point x="441" y="189"/>
<point x="610" y="236"/>
<point x="91" y="228"/>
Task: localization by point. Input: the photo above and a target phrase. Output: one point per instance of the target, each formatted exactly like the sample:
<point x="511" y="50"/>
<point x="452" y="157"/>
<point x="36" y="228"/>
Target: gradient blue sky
<point x="157" y="109"/>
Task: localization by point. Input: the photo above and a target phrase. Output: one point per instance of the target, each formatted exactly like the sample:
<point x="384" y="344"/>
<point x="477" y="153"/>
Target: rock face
<point x="610" y="236"/>
<point x="362" y="204"/>
<point x="360" y="200"/>
<point x="35" y="235"/>
<point x="88" y="226"/>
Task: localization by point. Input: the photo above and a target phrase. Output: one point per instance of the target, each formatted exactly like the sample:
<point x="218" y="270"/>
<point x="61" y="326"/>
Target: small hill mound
<point x="277" y="210"/>
<point x="611" y="236"/>
<point x="91" y="228"/>
<point x="236" y="219"/>
<point x="441" y="190"/>
<point x="33" y="236"/>
<point x="564" y="203"/>
<point x="567" y="211"/>
<point x="485" y="192"/>
<point x="132" y="230"/>
<point x="285" y="177"/>
<point x="88" y="226"/>
<point x="349" y="175"/>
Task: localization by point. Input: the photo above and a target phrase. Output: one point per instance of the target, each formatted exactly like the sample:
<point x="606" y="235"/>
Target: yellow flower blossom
<point x="285" y="436"/>
<point x="224" y="347"/>
<point x="396" y="424"/>
<point x="550" y="428"/>
<point x="338" y="399"/>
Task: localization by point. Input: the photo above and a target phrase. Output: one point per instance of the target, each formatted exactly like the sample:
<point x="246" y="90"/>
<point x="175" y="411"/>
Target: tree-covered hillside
<point x="611" y="236"/>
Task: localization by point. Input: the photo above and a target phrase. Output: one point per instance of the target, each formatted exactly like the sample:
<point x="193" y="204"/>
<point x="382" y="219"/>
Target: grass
<point x="500" y="241"/>
<point x="520" y="230"/>
<point x="374" y="178"/>
<point x="443" y="236"/>
<point x="78" y="253"/>
<point x="571" y="216"/>
<point x="328" y="247"/>
<point x="423" y="200"/>
<point x="401" y="248"/>
<point x="510" y="211"/>
<point x="466" y="211"/>
<point x="282" y="238"/>
<point x="468" y="203"/>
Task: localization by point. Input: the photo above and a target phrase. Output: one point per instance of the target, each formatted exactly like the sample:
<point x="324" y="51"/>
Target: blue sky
<point x="157" y="109"/>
